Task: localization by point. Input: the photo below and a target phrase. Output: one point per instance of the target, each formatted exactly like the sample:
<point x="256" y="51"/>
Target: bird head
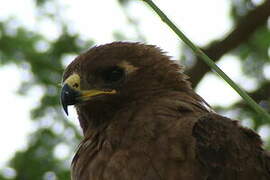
<point x="118" y="73"/>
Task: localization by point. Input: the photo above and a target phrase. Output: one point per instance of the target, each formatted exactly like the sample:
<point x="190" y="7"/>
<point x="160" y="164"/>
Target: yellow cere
<point x="90" y="93"/>
<point x="95" y="92"/>
<point x="73" y="81"/>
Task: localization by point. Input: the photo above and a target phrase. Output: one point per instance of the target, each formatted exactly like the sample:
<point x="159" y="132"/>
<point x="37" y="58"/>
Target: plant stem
<point x="208" y="61"/>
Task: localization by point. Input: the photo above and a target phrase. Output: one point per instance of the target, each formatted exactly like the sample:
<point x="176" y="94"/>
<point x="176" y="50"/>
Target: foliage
<point x="255" y="57"/>
<point x="261" y="112"/>
<point x="44" y="59"/>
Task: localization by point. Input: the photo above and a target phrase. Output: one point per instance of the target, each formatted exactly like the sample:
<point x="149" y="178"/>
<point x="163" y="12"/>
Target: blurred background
<point x="39" y="38"/>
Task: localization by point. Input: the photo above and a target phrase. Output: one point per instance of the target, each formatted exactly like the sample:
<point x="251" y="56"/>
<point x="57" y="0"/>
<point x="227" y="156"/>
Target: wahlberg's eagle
<point x="142" y="121"/>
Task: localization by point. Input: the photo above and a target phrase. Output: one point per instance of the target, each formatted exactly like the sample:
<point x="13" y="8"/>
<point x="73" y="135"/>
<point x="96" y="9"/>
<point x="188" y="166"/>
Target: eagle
<point x="141" y="120"/>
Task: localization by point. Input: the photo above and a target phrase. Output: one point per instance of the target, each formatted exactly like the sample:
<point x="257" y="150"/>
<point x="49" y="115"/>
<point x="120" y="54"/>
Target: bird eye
<point x="114" y="74"/>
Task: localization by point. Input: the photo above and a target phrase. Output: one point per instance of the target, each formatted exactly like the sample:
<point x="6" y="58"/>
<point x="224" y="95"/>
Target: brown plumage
<point x="142" y="121"/>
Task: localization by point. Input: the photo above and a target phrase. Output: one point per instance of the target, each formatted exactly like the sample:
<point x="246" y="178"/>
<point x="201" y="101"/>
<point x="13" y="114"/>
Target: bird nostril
<point x="76" y="85"/>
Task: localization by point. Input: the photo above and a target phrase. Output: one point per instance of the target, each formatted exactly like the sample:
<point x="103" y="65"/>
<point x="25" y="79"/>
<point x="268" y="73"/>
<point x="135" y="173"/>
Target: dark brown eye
<point x="113" y="74"/>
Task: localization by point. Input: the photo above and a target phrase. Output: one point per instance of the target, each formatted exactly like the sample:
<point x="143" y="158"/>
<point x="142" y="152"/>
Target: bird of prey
<point x="141" y="120"/>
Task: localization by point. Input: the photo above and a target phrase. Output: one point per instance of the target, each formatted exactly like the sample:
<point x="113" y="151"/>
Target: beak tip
<point x="64" y="104"/>
<point x="65" y="107"/>
<point x="68" y="97"/>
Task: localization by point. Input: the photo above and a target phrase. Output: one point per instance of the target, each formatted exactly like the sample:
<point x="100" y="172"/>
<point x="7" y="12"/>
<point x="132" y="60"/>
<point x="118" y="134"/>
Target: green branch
<point x="209" y="61"/>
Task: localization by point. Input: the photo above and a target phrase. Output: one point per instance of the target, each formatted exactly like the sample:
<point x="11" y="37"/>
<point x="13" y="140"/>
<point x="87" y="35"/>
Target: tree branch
<point x="261" y="95"/>
<point x="208" y="60"/>
<point x="241" y="33"/>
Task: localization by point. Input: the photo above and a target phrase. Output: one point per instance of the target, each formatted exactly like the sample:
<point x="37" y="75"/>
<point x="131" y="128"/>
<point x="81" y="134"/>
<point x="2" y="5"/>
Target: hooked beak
<point x="71" y="93"/>
<point x="69" y="96"/>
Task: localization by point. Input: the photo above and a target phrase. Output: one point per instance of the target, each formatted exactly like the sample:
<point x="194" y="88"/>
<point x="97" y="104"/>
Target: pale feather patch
<point x="128" y="67"/>
<point x="86" y="144"/>
<point x="207" y="106"/>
